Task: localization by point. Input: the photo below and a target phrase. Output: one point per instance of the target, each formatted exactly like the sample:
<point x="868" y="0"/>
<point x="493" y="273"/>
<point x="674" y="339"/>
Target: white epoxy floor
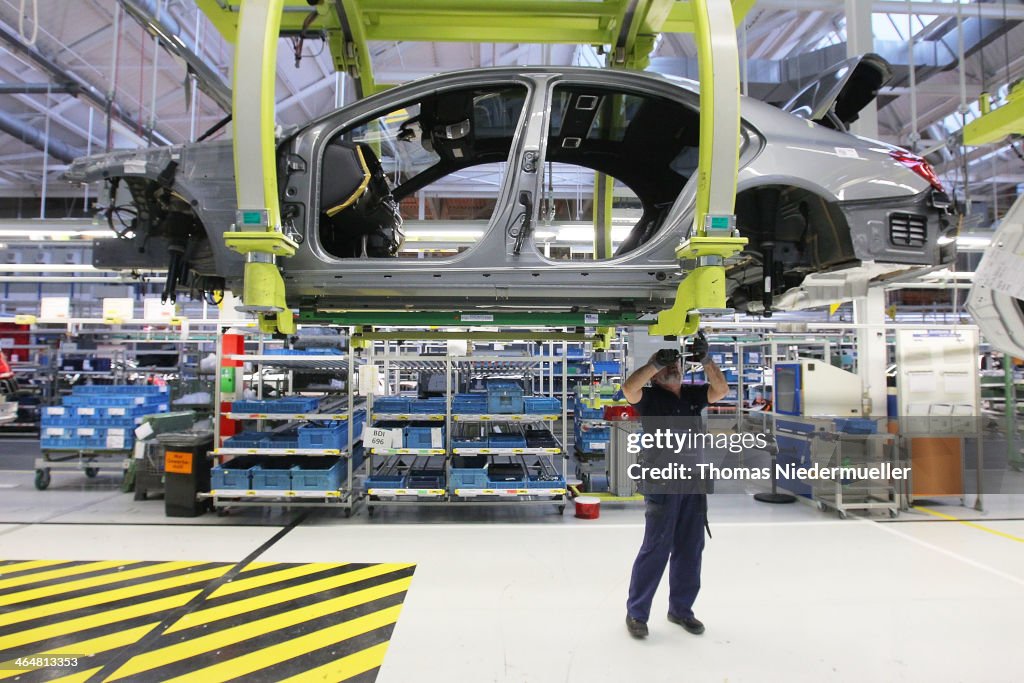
<point x="790" y="594"/>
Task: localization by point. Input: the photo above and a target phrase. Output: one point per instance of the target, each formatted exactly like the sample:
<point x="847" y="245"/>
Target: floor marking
<point x="289" y="624"/>
<point x="35" y="577"/>
<point x="889" y="529"/>
<point x="274" y="621"/>
<point x="20" y="613"/>
<point x="973" y="525"/>
<point x="86" y="648"/>
<point x="60" y="627"/>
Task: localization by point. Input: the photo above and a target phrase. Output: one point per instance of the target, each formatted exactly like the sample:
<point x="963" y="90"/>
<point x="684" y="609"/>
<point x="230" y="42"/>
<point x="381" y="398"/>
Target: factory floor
<point x="497" y="594"/>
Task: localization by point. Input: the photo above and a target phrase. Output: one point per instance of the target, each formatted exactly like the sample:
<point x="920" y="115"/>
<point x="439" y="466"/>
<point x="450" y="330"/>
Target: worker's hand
<point x="665" y="358"/>
<point x="698" y="349"/>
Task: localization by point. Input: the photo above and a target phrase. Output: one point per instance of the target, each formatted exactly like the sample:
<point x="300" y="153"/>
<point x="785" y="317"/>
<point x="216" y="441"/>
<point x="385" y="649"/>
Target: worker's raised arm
<point x="718" y="387"/>
<point x="633" y="387"/>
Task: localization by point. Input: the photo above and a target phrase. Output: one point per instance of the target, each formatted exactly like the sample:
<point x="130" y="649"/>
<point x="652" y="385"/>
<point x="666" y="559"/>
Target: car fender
<point x="996" y="299"/>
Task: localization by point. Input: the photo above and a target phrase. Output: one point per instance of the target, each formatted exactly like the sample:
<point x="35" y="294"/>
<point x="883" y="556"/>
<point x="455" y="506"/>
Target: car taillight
<point x="919" y="166"/>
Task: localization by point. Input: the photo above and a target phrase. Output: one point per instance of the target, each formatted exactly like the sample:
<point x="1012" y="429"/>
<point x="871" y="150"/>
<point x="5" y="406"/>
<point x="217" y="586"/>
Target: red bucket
<point x="588" y="507"/>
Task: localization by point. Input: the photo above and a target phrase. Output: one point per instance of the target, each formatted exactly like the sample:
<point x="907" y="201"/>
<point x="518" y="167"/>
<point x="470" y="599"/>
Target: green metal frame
<point x="995" y="125"/>
<point x="470" y="319"/>
<point x="628" y="27"/>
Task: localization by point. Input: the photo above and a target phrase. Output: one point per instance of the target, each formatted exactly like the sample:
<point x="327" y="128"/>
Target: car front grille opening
<point x="908" y="230"/>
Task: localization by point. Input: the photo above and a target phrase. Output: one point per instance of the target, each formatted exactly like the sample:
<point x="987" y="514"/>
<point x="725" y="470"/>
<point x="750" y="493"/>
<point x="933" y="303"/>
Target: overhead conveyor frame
<point x="628" y="26"/>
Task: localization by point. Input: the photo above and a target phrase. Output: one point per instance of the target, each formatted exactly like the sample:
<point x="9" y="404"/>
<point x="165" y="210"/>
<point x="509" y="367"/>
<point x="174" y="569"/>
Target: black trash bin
<point x="186" y="472"/>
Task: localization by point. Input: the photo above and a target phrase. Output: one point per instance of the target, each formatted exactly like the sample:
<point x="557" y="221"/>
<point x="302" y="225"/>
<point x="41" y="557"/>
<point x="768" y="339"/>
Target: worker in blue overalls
<point x="677" y="517"/>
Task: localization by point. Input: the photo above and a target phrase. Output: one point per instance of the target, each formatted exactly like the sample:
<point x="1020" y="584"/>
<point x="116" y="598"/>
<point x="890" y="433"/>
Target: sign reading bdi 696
<point x="382" y="439"/>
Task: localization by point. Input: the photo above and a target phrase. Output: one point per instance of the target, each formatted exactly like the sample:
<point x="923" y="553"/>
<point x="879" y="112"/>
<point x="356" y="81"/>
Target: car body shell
<point x="857" y="177"/>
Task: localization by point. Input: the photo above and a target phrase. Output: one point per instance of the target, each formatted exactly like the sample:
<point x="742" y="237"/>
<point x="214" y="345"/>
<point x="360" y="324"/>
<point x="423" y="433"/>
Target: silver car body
<point x="835" y="191"/>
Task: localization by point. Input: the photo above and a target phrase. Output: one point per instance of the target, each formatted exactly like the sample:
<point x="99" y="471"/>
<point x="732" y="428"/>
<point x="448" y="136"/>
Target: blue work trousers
<point x="673" y="535"/>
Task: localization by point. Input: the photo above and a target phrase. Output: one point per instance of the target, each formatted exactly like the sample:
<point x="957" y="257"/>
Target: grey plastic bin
<point x="186" y="472"/>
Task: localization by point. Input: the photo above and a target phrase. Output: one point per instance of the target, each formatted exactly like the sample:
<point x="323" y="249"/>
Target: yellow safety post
<point x="257" y="231"/>
<point x="713" y="235"/>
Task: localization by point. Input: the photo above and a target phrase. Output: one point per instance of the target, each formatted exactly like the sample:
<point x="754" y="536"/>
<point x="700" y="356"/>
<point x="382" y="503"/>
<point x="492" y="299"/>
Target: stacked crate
<point x="100" y="417"/>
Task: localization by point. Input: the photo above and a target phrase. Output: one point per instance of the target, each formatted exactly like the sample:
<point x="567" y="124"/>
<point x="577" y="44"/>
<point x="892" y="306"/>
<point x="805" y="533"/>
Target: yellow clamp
<point x="703" y="288"/>
<point x="359" y="341"/>
<point x="603" y="342"/>
<point x="263" y="241"/>
<point x="263" y="288"/>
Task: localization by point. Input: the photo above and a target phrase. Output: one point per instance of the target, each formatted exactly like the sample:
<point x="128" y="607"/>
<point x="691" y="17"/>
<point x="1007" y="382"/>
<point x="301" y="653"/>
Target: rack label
<point x="381" y="439"/>
<point x="178" y="462"/>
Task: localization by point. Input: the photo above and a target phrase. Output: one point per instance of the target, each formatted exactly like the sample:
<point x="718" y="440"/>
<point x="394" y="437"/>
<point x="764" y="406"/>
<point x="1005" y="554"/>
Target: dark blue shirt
<point x="661" y="410"/>
<point x="658" y="402"/>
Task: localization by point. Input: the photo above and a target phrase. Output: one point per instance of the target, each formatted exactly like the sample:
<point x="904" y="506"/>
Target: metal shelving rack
<point x="451" y="366"/>
<point x="345" y="497"/>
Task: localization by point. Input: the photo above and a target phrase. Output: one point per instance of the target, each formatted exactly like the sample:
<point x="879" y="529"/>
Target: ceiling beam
<point x="37" y="138"/>
<point x="87" y="90"/>
<point x="993" y="10"/>
<point x="160" y="24"/>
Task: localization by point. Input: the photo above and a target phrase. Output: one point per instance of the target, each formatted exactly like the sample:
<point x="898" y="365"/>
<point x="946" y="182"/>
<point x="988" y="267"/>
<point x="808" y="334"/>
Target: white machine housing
<point x="809" y="387"/>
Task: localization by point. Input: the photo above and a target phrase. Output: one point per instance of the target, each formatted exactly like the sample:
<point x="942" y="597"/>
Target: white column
<point x="872" y="352"/>
<point x="859" y="40"/>
<point x="869" y="310"/>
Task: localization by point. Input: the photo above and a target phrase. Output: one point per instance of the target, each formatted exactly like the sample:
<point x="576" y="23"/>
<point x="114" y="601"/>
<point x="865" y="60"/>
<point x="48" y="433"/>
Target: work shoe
<point x="691" y="624"/>
<point x="636" y="628"/>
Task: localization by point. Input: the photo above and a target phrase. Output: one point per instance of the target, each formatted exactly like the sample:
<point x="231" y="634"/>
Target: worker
<point x="675" y="522"/>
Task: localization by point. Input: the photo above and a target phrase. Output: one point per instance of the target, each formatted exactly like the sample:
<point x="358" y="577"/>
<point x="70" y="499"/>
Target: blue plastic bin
<point x="469" y="404"/>
<point x="542" y="405"/>
<point x="506" y="441"/>
<point x="593" y="440"/>
<point x="330" y="435"/>
<point x="467" y="478"/>
<point x="385" y="481"/>
<point x="391" y="404"/>
<point x="315" y="351"/>
<point x="289" y="439"/>
<point x="427" y="406"/>
<point x="119" y="390"/>
<point x="504" y="397"/>
<point x="294" y="404"/>
<point x="419" y="437"/>
<point x="319" y="474"/>
<point x="155" y="403"/>
<point x="609" y="367"/>
<point x="235" y="474"/>
<point x="270" y="478"/>
<point x="856" y="425"/>
<point x="246" y="440"/>
<point x="535" y="483"/>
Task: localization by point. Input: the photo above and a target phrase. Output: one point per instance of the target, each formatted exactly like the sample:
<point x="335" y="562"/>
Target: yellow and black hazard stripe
<point x="147" y="621"/>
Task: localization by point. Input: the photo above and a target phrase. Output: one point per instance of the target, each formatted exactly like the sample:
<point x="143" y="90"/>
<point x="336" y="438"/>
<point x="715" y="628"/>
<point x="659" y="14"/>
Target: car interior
<point x="647" y="143"/>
